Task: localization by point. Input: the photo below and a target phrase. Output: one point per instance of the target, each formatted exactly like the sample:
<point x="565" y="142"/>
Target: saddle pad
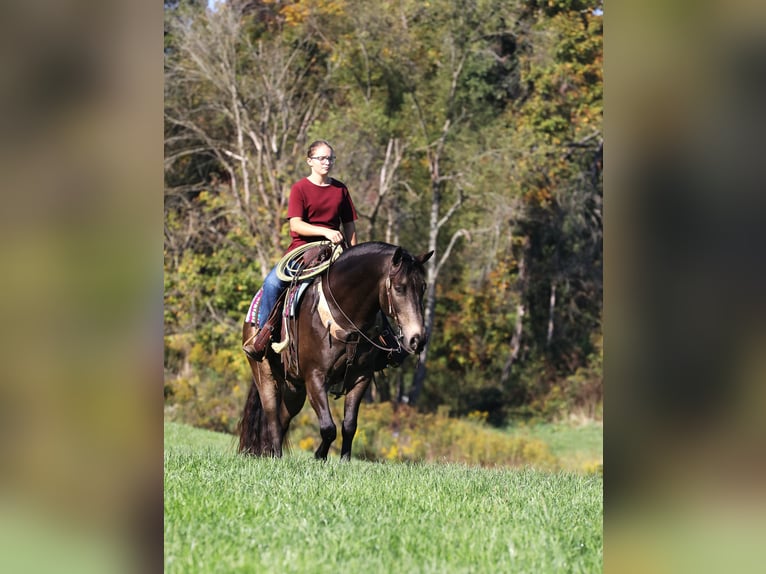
<point x="252" y="313"/>
<point x="290" y="306"/>
<point x="293" y="297"/>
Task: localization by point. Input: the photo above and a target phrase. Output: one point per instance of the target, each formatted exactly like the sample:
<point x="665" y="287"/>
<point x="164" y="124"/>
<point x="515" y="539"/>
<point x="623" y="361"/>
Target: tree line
<point x="470" y="127"/>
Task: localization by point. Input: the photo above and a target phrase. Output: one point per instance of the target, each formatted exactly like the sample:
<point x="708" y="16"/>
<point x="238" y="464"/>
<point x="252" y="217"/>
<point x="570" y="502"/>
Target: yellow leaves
<point x="593" y="467"/>
<point x="182" y="389"/>
<point x="332" y="7"/>
<point x="540" y="196"/>
<point x="304" y="419"/>
<point x="391" y="453"/>
<point x="406" y="450"/>
<point x="179" y="342"/>
<point x="538" y="451"/>
<point x="197" y="353"/>
<point x="479" y="417"/>
<point x="297" y="13"/>
<point x="224" y="359"/>
<point x="307" y="443"/>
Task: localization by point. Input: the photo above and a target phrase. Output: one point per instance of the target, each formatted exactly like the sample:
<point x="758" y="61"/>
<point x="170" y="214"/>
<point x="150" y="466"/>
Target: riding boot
<point x="255" y="346"/>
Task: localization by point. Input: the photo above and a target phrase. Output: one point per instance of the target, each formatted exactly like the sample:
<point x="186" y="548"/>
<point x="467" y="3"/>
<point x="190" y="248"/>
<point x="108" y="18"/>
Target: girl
<point x="319" y="208"/>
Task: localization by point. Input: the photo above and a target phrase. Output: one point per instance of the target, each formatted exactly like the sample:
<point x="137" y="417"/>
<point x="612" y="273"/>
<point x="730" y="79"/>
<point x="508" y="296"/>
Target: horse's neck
<point x="356" y="287"/>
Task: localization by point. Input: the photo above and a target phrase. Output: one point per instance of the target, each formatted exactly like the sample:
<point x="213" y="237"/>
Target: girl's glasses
<point x="324" y="158"/>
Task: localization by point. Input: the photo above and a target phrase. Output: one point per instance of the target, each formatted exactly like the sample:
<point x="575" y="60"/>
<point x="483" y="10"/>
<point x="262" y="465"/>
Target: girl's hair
<point x="316" y="144"/>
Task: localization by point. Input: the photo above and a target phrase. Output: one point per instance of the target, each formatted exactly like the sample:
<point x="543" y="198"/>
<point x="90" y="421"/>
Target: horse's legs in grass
<point x="350" y="415"/>
<point x="268" y="389"/>
<point x="318" y="399"/>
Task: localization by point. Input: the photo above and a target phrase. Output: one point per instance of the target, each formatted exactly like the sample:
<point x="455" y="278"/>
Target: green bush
<point x="208" y="388"/>
<point x="402" y="434"/>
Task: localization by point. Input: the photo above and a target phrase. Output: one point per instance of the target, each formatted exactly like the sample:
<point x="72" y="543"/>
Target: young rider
<point x="319" y="208"/>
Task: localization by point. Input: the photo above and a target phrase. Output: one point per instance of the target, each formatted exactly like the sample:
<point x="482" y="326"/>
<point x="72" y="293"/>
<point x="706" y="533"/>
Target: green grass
<point x="578" y="447"/>
<point x="227" y="513"/>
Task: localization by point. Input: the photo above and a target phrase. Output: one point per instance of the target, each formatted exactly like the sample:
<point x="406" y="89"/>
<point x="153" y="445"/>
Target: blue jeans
<point x="272" y="289"/>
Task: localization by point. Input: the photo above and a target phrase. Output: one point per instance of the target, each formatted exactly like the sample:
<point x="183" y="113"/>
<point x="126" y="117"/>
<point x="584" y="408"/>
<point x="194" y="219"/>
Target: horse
<point x="333" y="334"/>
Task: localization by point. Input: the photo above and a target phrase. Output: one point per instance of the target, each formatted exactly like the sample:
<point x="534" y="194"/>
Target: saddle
<point x="298" y="266"/>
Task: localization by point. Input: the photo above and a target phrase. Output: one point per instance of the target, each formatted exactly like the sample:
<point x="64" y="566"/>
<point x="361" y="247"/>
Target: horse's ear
<point x="425" y="257"/>
<point x="396" y="260"/>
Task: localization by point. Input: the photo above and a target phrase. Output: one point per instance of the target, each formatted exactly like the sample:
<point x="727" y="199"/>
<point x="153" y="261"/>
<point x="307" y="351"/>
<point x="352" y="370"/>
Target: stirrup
<point x="280" y="346"/>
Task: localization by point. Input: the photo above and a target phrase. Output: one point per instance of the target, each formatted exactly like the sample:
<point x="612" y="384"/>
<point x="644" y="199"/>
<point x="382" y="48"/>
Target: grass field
<point x="226" y="513"/>
<point x="578" y="447"/>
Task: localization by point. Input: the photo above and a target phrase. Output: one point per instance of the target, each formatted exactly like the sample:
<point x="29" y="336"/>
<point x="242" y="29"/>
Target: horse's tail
<point x="251" y="423"/>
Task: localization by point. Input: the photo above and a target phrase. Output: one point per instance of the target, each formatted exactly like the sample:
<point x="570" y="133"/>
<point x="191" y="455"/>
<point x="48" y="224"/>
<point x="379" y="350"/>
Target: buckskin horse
<point x="333" y="340"/>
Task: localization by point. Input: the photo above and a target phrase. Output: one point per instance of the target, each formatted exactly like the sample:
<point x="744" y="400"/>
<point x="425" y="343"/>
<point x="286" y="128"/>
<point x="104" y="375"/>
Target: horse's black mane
<point x="373" y="248"/>
<point x="361" y="254"/>
<point x="369" y="248"/>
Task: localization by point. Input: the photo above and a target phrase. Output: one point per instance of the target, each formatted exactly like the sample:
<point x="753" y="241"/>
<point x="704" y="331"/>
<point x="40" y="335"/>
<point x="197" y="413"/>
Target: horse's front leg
<point x="318" y="398"/>
<point x="351" y="414"/>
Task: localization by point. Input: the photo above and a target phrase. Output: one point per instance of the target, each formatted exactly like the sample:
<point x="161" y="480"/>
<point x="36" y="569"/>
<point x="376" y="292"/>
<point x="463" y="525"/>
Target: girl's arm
<point x="349" y="230"/>
<point x="297" y="225"/>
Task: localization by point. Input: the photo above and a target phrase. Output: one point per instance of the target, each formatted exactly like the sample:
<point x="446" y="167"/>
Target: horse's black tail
<point x="250" y="435"/>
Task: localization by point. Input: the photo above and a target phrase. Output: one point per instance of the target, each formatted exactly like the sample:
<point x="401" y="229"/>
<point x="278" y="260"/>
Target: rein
<point x="356" y="329"/>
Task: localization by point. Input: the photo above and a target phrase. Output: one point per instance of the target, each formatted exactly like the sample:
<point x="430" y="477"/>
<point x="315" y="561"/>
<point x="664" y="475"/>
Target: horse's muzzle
<point x="416" y="345"/>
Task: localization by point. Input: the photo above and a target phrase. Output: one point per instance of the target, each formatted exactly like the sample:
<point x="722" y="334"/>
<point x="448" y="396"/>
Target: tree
<point x="472" y="128"/>
<point x="456" y="67"/>
<point x="559" y="115"/>
<point x="241" y="101"/>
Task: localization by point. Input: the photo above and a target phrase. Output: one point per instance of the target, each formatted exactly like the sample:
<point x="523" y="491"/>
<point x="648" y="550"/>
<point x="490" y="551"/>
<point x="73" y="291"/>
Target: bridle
<point x="392" y="313"/>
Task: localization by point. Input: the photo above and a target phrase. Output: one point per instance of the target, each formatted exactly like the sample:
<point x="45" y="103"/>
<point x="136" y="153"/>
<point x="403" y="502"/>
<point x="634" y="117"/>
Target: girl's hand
<point x="334" y="236"/>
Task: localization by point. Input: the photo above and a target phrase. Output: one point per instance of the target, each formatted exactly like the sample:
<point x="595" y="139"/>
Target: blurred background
<point x="684" y="275"/>
<point x="81" y="299"/>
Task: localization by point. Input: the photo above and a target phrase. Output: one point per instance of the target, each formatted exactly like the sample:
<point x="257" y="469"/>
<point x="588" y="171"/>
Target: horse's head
<point x="405" y="287"/>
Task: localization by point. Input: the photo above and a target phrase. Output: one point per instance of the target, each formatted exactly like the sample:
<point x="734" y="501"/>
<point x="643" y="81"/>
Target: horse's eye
<point x="399" y="289"/>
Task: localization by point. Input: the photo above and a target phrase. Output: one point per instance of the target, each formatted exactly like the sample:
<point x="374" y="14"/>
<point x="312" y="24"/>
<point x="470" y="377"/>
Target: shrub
<point x="402" y="434"/>
<point x="208" y="389"/>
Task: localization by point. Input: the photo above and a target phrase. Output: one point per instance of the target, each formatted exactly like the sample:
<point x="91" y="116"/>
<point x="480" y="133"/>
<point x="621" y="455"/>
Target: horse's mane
<point x="368" y="248"/>
<point x="374" y="248"/>
<point x="362" y="251"/>
<point x="362" y="254"/>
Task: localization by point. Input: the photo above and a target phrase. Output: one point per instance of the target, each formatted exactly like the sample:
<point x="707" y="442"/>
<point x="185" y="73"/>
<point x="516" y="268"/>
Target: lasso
<point x="293" y="267"/>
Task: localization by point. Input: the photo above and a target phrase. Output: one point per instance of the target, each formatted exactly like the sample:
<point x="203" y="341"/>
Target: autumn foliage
<point x="470" y="128"/>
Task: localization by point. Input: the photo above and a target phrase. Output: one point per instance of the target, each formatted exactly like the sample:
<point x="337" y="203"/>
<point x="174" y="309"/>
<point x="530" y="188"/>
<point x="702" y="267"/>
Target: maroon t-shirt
<point x="329" y="206"/>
